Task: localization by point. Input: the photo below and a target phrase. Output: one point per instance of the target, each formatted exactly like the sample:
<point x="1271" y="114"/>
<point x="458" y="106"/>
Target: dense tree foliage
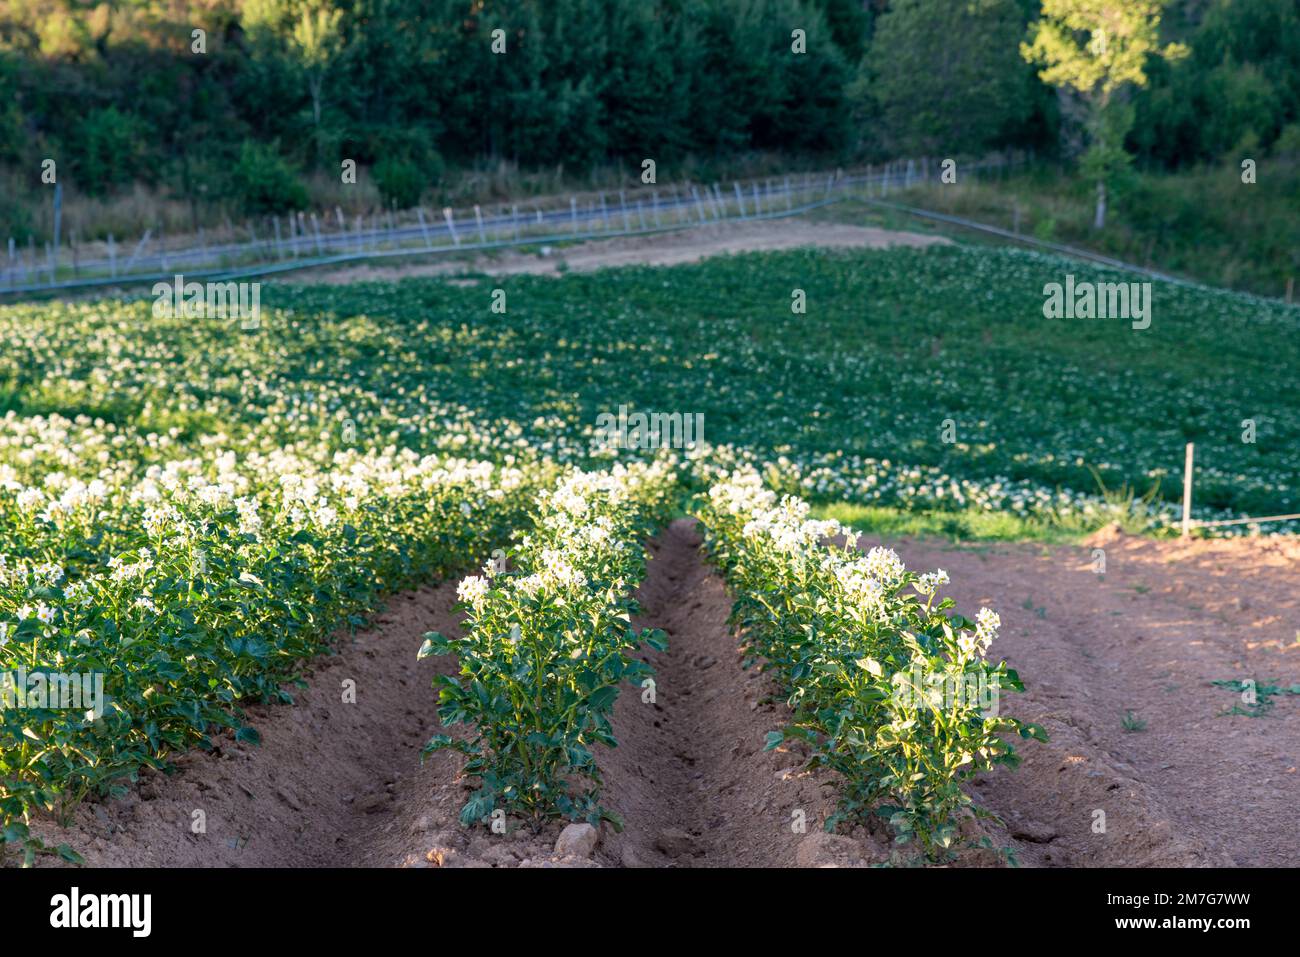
<point x="1239" y="88"/>
<point x="127" y="84"/>
<point x="960" y="89"/>
<point x="126" y="91"/>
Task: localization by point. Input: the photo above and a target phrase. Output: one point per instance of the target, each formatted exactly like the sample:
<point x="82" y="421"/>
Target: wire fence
<point x="1047" y="245"/>
<point x="1189" y="523"/>
<point x="305" y="240"/>
<point x="309" y="240"/>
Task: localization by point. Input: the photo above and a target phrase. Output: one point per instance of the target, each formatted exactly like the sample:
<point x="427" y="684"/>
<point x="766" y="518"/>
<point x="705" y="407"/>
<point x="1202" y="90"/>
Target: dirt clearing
<point x="1145" y="766"/>
<point x="661" y="249"/>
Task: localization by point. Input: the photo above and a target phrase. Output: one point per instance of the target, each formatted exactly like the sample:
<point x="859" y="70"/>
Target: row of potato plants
<point x="886" y="685"/>
<point x="203" y="583"/>
<point x="548" y="642"/>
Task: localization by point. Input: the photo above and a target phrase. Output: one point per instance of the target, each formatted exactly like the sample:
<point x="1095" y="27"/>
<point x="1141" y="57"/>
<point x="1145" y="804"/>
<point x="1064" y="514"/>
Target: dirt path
<point x="340" y="784"/>
<point x="690" y="777"/>
<point x="663" y="249"/>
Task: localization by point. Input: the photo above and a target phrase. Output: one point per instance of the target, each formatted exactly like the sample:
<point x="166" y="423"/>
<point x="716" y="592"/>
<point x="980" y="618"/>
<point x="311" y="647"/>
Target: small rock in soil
<point x="828" y="850"/>
<point x="578" y="840"/>
<point x="449" y="857"/>
<point x="500" y="856"/>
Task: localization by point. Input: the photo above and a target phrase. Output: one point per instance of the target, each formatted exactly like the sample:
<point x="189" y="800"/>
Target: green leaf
<point x="602" y="699"/>
<point x="69" y="855"/>
<point x="248" y="735"/>
<point x="774" y="738"/>
<point x="437" y="743"/>
<point x="479" y="806"/>
<point x="434" y="644"/>
<point x="14" y="832"/>
<point x="871" y="666"/>
<point x="1034" y="731"/>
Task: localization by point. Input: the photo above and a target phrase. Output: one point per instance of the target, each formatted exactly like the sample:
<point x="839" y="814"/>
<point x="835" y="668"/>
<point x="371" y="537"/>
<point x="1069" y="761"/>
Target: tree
<point x="313" y="39"/>
<point x="1098" y="48"/>
<point x="849" y="22"/>
<point x="315" y="42"/>
<point x="1239" y="85"/>
<point x="959" y="89"/>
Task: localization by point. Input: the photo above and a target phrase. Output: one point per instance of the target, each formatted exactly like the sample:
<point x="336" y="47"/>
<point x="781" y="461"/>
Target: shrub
<point x="263" y="182"/>
<point x="109" y="148"/>
<point x="399" y="182"/>
<point x="548" y="645"/>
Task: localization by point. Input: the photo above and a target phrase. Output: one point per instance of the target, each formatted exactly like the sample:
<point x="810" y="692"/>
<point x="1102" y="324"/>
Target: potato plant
<point x="203" y="584"/>
<point x="887" y="688"/>
<point x="549" y="643"/>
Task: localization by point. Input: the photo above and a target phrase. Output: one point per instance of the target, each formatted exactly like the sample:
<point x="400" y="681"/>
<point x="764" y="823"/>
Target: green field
<point x="849" y="399"/>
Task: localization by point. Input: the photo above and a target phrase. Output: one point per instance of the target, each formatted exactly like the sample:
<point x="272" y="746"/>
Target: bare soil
<point x="341" y="784"/>
<point x="661" y="249"/>
<point x="1186" y="783"/>
<point x="690" y="776"/>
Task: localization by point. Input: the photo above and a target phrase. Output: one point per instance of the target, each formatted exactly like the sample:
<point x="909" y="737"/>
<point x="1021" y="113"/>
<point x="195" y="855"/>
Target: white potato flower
<point x="473" y="591"/>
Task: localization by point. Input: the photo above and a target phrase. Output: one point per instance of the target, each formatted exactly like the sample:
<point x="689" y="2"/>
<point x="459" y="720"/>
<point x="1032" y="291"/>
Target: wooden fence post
<point x="1187" y="492"/>
<point x="424" y="229"/>
<point x="58" y="223"/>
